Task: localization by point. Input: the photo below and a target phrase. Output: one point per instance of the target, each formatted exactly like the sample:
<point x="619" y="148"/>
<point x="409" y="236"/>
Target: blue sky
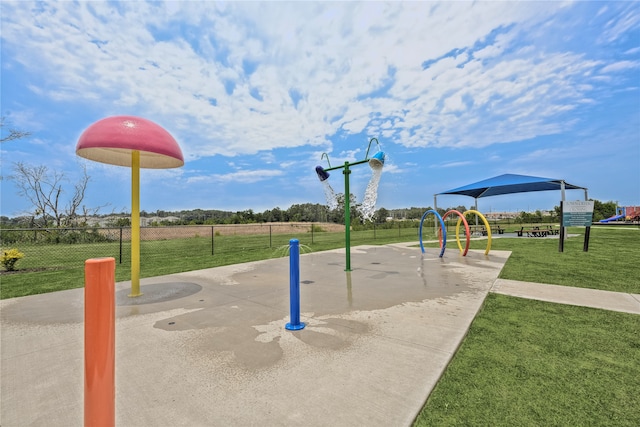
<point x="255" y="92"/>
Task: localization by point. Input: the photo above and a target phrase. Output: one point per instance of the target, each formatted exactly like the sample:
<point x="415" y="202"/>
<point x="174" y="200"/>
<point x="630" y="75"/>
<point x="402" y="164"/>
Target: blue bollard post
<point x="294" y="286"/>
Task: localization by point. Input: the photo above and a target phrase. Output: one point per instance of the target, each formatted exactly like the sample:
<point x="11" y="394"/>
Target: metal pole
<point x="135" y="224"/>
<point x="585" y="246"/>
<point x="347" y="216"/>
<point x="563" y="231"/>
<point x="476" y="208"/>
<point x="99" y="342"/>
<point x="294" y="286"/>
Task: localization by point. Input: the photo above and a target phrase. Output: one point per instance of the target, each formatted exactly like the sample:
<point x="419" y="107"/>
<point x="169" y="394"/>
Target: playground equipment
<point x="625" y="213"/>
<point x="294" y="286"/>
<point x="461" y="219"/>
<point x="376" y="163"/>
<point x="137" y="143"/>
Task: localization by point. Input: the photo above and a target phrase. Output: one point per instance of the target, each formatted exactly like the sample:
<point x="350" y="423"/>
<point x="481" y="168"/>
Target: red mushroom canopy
<point x="112" y="140"/>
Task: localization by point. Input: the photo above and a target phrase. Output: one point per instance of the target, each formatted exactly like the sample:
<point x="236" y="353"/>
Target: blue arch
<point x="444" y="230"/>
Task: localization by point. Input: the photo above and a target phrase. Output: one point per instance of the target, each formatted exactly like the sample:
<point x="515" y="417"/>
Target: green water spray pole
<point x="322" y="174"/>
<point x="347" y="207"/>
<point x="347" y="216"/>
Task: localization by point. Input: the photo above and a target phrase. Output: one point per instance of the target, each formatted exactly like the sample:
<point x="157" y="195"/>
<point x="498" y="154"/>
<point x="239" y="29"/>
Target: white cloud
<point x="616" y="28"/>
<point x="242" y="176"/>
<point x="453" y="164"/>
<point x="620" y="66"/>
<point x="221" y="81"/>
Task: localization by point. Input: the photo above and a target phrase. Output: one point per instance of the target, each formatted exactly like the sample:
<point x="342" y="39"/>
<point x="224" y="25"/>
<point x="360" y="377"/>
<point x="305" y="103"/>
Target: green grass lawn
<point x="609" y="264"/>
<point x="533" y="363"/>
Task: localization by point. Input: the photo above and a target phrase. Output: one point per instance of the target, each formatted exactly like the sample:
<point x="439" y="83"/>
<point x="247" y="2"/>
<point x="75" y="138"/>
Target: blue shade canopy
<point x="510" y="183"/>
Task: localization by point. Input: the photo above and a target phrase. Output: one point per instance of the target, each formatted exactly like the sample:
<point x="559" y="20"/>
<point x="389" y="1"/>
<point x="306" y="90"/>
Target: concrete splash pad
<point x="209" y="347"/>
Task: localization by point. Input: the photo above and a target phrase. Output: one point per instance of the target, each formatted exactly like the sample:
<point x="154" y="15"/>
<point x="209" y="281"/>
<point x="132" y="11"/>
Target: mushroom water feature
<point x="376" y="162"/>
<point x="136" y="143"/>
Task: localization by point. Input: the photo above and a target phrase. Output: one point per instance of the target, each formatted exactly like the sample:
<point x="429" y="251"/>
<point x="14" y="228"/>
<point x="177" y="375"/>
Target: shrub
<point x="316" y="228"/>
<point x="9" y="259"/>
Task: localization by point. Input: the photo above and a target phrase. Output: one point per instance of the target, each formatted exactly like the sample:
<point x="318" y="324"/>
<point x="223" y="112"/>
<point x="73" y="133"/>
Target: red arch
<point x="466" y="227"/>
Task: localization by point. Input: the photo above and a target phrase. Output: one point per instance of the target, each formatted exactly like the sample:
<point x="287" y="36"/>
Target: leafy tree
<point x="603" y="210"/>
<point x="415" y="213"/>
<point x="122" y="222"/>
<point x="381" y="216"/>
<point x="337" y="215"/>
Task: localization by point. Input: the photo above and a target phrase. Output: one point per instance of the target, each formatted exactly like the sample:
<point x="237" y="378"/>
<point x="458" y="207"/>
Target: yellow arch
<point x="486" y="224"/>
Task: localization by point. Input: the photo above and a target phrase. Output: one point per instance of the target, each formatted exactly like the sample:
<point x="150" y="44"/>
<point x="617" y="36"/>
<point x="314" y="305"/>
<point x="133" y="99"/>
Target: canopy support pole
<point x="563" y="230"/>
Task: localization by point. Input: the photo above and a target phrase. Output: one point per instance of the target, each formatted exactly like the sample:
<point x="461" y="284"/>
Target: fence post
<point x="120" y="244"/>
<point x="312" y="233"/>
<point x="212" y="241"/>
<point x="99" y="342"/>
<point x="270" y="241"/>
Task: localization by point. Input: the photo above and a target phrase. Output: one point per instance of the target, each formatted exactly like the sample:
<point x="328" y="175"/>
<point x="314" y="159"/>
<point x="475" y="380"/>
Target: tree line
<point x="305" y="212"/>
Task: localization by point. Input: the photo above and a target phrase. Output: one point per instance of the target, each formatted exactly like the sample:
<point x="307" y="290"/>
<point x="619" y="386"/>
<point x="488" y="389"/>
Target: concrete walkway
<point x="595" y="298"/>
<point x="209" y="347"/>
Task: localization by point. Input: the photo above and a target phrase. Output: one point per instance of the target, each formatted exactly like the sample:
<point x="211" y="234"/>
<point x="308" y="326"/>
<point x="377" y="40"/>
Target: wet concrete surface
<point x="209" y="347"/>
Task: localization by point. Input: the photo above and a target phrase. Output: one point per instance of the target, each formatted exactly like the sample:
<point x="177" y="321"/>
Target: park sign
<point x="577" y="213"/>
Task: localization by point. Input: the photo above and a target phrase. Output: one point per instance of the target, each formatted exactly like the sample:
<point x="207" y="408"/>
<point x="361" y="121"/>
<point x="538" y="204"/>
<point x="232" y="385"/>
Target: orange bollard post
<point x="99" y="342"/>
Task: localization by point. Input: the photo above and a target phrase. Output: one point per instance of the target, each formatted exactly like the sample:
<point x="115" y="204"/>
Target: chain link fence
<point x="59" y="248"/>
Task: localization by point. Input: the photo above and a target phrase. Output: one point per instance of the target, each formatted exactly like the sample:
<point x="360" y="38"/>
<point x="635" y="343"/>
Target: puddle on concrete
<point x="159" y="292"/>
<point x="234" y="307"/>
<point x="68" y="306"/>
<point x="381" y="277"/>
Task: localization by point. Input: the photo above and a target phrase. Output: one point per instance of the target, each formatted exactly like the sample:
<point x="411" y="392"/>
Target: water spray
<point x="368" y="207"/>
